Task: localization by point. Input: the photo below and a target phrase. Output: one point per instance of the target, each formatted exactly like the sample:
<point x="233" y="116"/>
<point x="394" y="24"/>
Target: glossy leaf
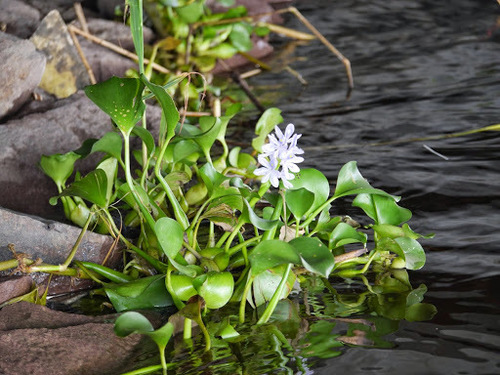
<point x="299" y="201"/>
<point x="315" y="256"/>
<point x="191" y="12"/>
<point x="266" y="283"/>
<point x="133" y="322"/>
<point x="170" y="114"/>
<point x="93" y="188"/>
<point x="182" y="287"/>
<point x="170" y="236"/>
<point x="59" y="167"/>
<point x="344" y="234"/>
<point x="217" y="289"/>
<point x="382" y="209"/>
<point x="145" y="293"/>
<point x="265" y="125"/>
<point x="110" y="143"/>
<point x="211" y="178"/>
<point x="271" y="253"/>
<point x="249" y="216"/>
<point x="350" y="182"/>
<point x="110" y="167"/>
<point x="146" y="137"/>
<point x="121" y="99"/>
<point x="407" y="248"/>
<point x="314" y="181"/>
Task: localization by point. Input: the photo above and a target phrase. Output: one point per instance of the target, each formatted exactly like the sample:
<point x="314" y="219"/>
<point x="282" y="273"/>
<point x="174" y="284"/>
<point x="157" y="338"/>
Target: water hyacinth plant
<point x="211" y="228"/>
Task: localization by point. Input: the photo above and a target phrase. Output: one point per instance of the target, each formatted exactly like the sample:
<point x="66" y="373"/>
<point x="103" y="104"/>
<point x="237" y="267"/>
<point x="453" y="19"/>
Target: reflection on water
<point x="315" y="326"/>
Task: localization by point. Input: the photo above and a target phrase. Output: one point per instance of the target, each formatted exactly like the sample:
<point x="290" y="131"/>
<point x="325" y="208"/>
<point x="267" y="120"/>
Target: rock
<point x="23" y="141"/>
<point x="21" y="69"/>
<point x="35" y="340"/>
<point x="19" y="18"/>
<point x="65" y="7"/>
<point x="51" y="242"/>
<point x="14" y="286"/>
<point x="65" y="72"/>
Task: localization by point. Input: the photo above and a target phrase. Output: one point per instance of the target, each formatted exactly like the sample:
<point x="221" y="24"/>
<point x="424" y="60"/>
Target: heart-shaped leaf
<point x="407" y="248"/>
<point x="170" y="236"/>
<point x="344" y="234"/>
<point x="121" y="99"/>
<point x="382" y="209"/>
<point x="93" y="188"/>
<point x="299" y="201"/>
<point x="315" y="256"/>
<point x="351" y="182"/>
<point x="271" y="253"/>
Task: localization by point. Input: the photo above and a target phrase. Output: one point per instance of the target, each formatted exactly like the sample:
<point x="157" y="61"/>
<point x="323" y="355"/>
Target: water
<point x="421" y="69"/>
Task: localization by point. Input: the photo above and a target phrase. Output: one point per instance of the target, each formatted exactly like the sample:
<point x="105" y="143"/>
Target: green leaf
<point x="136" y="28"/>
<point x="170" y="236"/>
<point x="315" y="256"/>
<point x="93" y="187"/>
<point x="344" y="234"/>
<point x="217" y="289"/>
<point x="266" y="283"/>
<point x="146" y="137"/>
<point x="299" y="201"/>
<point x="314" y="181"/>
<point x="192" y="12"/>
<point x="351" y="182"/>
<point x="59" y="166"/>
<point x="382" y="209"/>
<point x="133" y="322"/>
<point x="182" y="286"/>
<point x="110" y="167"/>
<point x="211" y="178"/>
<point x="110" y="143"/>
<point x="271" y="253"/>
<point x="121" y="99"/>
<point x="146" y="293"/>
<point x="249" y="216"/>
<point x="269" y="119"/>
<point x="170" y="114"/>
<point x="407" y="248"/>
<point x="240" y="37"/>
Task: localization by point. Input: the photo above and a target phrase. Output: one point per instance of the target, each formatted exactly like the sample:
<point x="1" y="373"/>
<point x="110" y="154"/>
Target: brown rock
<point x="35" y="340"/>
<point x="14" y="286"/>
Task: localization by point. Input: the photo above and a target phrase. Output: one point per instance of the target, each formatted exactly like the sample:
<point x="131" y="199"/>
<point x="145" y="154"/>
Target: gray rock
<point x="65" y="7"/>
<point x="14" y="286"/>
<point x="19" y="18"/>
<point x="21" y="69"/>
<point x="51" y="242"/>
<point x="66" y="344"/>
<point x="65" y="72"/>
<point x="22" y="143"/>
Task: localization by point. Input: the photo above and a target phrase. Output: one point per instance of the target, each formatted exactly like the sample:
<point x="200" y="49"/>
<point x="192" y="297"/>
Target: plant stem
<point x="243" y="301"/>
<point x="71" y="255"/>
<point x="276" y="297"/>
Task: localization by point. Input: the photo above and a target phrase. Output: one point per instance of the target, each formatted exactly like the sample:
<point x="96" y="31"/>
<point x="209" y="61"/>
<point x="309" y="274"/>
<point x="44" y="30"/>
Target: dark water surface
<point x="421" y="69"/>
